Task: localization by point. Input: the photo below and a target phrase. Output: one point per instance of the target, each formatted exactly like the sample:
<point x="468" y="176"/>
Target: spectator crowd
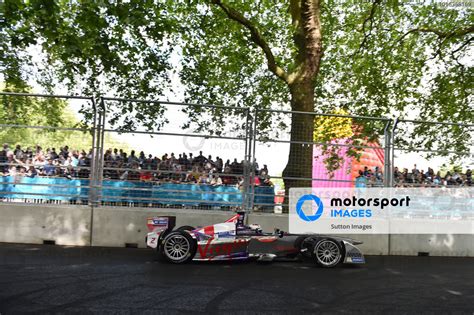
<point x="431" y="178"/>
<point x="184" y="168"/>
<point x="119" y="165"/>
<point x="415" y="178"/>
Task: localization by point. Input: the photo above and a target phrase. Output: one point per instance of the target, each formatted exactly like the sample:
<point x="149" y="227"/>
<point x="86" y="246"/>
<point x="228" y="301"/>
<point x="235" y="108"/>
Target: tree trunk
<point x="298" y="171"/>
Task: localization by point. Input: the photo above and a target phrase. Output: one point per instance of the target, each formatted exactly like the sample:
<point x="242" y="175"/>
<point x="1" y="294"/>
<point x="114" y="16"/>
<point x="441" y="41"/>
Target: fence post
<point x="253" y="140"/>
<point x="247" y="165"/>
<point x="93" y="173"/>
<point x="100" y="151"/>
<point x="392" y="158"/>
<point x="388" y="163"/>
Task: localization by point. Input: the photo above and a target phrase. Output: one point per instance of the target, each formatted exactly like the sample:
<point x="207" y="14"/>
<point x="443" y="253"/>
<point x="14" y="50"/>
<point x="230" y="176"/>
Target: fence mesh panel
<point x="46" y="164"/>
<point x="216" y="157"/>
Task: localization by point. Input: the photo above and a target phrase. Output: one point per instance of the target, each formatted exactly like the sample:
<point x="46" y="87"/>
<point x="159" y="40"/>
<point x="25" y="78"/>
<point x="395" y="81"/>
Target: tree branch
<point x="463" y="45"/>
<point x="370" y="19"/>
<point x="442" y="35"/>
<point x="256" y="36"/>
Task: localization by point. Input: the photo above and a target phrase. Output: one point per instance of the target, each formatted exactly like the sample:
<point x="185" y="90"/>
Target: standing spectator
<point x="181" y="159"/>
<point x="200" y="159"/>
<point x="141" y="158"/>
<point x="378" y="175"/>
<point x="264" y="170"/>
<point x="397" y="175"/>
<point x="18" y="152"/>
<point x="132" y="158"/>
<point x="235" y="167"/>
<point x="361" y="180"/>
<point x="415" y="171"/>
<point x="3" y="153"/>
<point x="219" y="164"/>
<point x="64" y="152"/>
<point x="437" y="179"/>
<point x="52" y="154"/>
<point x="366" y="171"/>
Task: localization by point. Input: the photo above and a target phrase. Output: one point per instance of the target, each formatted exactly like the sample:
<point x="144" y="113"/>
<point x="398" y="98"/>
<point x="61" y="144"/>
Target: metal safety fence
<point x="320" y="150"/>
<point x="39" y="167"/>
<point x="230" y="157"/>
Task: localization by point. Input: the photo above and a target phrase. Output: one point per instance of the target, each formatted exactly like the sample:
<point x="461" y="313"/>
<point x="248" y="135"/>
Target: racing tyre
<point x="178" y="247"/>
<point x="185" y="228"/>
<point x="327" y="253"/>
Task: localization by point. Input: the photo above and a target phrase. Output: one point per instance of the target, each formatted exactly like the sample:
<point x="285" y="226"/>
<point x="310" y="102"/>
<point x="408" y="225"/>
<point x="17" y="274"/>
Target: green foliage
<point x="452" y="168"/>
<point x="19" y="112"/>
<point x="106" y="47"/>
<point x="381" y="58"/>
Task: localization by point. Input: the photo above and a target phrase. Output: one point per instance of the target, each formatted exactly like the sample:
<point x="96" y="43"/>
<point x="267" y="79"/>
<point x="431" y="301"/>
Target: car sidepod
<point x="353" y="255"/>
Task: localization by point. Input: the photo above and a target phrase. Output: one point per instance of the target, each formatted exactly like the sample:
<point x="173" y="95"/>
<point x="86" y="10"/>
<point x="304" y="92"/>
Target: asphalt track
<point x="55" y="279"/>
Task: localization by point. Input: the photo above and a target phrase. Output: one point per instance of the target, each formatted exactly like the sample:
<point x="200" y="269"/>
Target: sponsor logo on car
<point x="211" y="250"/>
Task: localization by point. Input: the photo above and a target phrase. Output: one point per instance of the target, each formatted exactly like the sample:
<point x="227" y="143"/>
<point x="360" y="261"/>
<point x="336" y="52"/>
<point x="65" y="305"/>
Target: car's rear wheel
<point x="178" y="247"/>
<point x="327" y="253"/>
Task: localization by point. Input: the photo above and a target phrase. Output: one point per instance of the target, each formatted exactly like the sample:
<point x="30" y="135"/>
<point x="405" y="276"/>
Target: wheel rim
<point x="328" y="253"/>
<point x="176" y="247"/>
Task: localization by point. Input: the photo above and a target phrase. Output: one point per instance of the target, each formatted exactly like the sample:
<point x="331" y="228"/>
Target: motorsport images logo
<point x="381" y="210"/>
<point x="355" y="207"/>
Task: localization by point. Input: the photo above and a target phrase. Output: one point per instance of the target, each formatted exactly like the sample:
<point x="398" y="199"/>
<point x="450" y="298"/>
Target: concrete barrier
<point x="36" y="223"/>
<point x="117" y="227"/>
<point x="432" y="244"/>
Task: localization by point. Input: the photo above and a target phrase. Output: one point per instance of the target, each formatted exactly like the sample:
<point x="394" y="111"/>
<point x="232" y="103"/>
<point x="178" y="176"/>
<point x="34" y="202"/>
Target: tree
<point x="20" y="111"/>
<point x="379" y="58"/>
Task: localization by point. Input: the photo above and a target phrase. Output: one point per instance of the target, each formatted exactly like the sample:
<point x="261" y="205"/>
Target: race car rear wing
<point x="159" y="224"/>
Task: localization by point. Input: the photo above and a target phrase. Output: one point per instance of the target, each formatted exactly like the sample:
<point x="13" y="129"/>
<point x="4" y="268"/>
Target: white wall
<point x="34" y="223"/>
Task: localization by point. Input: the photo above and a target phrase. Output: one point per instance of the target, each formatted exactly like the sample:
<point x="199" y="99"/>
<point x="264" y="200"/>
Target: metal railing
<point x="110" y="178"/>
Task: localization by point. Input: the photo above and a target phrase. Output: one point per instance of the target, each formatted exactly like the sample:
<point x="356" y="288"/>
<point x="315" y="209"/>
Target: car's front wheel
<point x="327" y="253"/>
<point x="178" y="247"/>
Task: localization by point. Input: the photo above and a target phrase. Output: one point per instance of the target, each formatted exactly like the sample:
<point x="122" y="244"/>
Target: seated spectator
<point x="203" y="179"/>
<point x="226" y="178"/>
<point x="49" y="169"/>
<point x="134" y="174"/>
<point x="216" y="180"/>
<point x="146" y="176"/>
<point x="32" y="172"/>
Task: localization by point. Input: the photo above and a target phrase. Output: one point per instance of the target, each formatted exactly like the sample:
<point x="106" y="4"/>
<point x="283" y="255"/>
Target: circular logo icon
<point x="299" y="208"/>
<point x="193" y="143"/>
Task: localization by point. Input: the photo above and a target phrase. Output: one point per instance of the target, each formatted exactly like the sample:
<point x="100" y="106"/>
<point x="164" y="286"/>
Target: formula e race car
<point x="234" y="240"/>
